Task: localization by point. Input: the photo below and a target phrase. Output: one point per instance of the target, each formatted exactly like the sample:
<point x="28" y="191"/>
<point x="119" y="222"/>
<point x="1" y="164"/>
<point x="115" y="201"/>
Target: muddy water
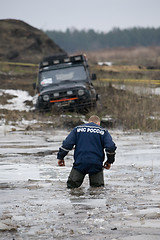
<point x="35" y="203"/>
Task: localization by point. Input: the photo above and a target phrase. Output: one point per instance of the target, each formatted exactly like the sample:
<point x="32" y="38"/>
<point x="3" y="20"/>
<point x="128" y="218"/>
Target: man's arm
<point x="62" y="153"/>
<point x="67" y="145"/>
<point x="110" y="148"/>
<point x="110" y="160"/>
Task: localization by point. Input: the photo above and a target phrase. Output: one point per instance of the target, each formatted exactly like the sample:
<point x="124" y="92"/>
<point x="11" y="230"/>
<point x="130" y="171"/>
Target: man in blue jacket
<point x="90" y="141"/>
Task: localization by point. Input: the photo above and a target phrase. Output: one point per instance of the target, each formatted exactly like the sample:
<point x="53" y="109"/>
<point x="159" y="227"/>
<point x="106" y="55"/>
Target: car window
<point x="57" y="76"/>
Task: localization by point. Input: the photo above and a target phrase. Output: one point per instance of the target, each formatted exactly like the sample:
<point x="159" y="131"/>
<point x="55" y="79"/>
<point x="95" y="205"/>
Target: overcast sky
<point x="100" y="15"/>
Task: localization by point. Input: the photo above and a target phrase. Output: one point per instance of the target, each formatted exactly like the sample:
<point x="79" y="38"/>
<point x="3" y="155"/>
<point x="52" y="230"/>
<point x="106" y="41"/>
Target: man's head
<point x="95" y="119"/>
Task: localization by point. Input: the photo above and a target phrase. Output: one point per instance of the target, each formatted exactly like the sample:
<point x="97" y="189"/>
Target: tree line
<point x="73" y="40"/>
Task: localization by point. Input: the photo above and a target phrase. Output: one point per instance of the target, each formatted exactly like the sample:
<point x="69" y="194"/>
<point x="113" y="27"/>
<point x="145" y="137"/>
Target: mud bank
<point x="35" y="203"/>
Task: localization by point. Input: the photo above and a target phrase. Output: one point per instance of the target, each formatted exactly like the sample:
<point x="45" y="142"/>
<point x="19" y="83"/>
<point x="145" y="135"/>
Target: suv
<point x="64" y="82"/>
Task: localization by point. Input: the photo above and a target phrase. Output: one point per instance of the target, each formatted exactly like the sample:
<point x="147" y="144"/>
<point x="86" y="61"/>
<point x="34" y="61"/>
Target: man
<point x="89" y="140"/>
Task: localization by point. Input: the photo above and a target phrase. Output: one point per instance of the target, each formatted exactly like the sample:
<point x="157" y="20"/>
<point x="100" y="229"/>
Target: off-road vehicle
<point x="64" y="82"/>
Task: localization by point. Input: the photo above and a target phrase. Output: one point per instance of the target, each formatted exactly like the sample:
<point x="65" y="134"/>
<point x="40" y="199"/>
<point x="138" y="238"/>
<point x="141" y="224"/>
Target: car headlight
<point x="46" y="98"/>
<point x="56" y="94"/>
<point x="69" y="92"/>
<point x="80" y="92"/>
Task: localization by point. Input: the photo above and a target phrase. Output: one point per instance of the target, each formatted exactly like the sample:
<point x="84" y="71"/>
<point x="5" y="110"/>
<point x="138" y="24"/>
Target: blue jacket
<point x="89" y="140"/>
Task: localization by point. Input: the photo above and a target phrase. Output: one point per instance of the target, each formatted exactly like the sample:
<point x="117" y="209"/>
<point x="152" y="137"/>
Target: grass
<point x="18" y="77"/>
<point x="18" y="68"/>
<point x="137" y="56"/>
<point x="128" y="109"/>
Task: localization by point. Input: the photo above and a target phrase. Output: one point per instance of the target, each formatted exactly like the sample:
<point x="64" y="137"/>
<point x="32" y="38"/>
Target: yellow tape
<point x="20" y="64"/>
<point x="145" y="81"/>
<point x="124" y="68"/>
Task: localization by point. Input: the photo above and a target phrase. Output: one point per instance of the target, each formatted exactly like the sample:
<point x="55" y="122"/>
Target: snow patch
<point x="18" y="101"/>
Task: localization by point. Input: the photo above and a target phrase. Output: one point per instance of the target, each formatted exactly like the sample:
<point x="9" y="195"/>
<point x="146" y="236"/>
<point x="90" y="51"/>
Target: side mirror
<point x="97" y="97"/>
<point x="34" y="86"/>
<point x="94" y="76"/>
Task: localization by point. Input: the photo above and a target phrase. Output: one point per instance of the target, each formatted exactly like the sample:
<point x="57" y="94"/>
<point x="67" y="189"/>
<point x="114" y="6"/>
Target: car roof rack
<point x="63" y="59"/>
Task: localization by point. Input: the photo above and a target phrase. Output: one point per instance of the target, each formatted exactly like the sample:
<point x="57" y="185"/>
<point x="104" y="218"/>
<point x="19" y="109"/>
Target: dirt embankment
<point x="21" y="42"/>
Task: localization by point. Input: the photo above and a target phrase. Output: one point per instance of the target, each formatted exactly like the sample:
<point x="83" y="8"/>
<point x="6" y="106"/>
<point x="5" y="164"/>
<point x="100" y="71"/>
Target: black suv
<point x="64" y="82"/>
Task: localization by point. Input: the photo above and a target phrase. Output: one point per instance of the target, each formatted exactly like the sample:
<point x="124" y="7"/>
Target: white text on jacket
<point x="90" y="130"/>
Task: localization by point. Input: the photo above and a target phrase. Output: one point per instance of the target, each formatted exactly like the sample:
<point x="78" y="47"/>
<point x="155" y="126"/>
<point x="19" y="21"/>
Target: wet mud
<point x="35" y="203"/>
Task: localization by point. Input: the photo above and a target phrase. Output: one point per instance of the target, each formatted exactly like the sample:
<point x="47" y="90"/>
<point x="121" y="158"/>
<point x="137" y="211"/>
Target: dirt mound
<point x="21" y="42"/>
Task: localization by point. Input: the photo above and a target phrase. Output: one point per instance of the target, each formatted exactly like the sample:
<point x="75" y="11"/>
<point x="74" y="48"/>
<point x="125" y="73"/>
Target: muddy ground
<point x="35" y="203"/>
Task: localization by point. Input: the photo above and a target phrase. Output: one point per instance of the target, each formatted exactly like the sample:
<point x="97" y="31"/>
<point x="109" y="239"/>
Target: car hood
<point x="63" y="87"/>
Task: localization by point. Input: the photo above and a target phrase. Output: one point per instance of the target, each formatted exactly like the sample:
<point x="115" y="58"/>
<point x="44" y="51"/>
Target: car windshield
<point x="59" y="75"/>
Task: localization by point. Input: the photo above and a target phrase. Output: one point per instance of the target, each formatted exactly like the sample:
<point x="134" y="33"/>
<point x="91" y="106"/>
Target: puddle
<point x="18" y="172"/>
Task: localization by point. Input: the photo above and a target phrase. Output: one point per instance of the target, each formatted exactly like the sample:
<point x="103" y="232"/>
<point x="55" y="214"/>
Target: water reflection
<point x="88" y="198"/>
